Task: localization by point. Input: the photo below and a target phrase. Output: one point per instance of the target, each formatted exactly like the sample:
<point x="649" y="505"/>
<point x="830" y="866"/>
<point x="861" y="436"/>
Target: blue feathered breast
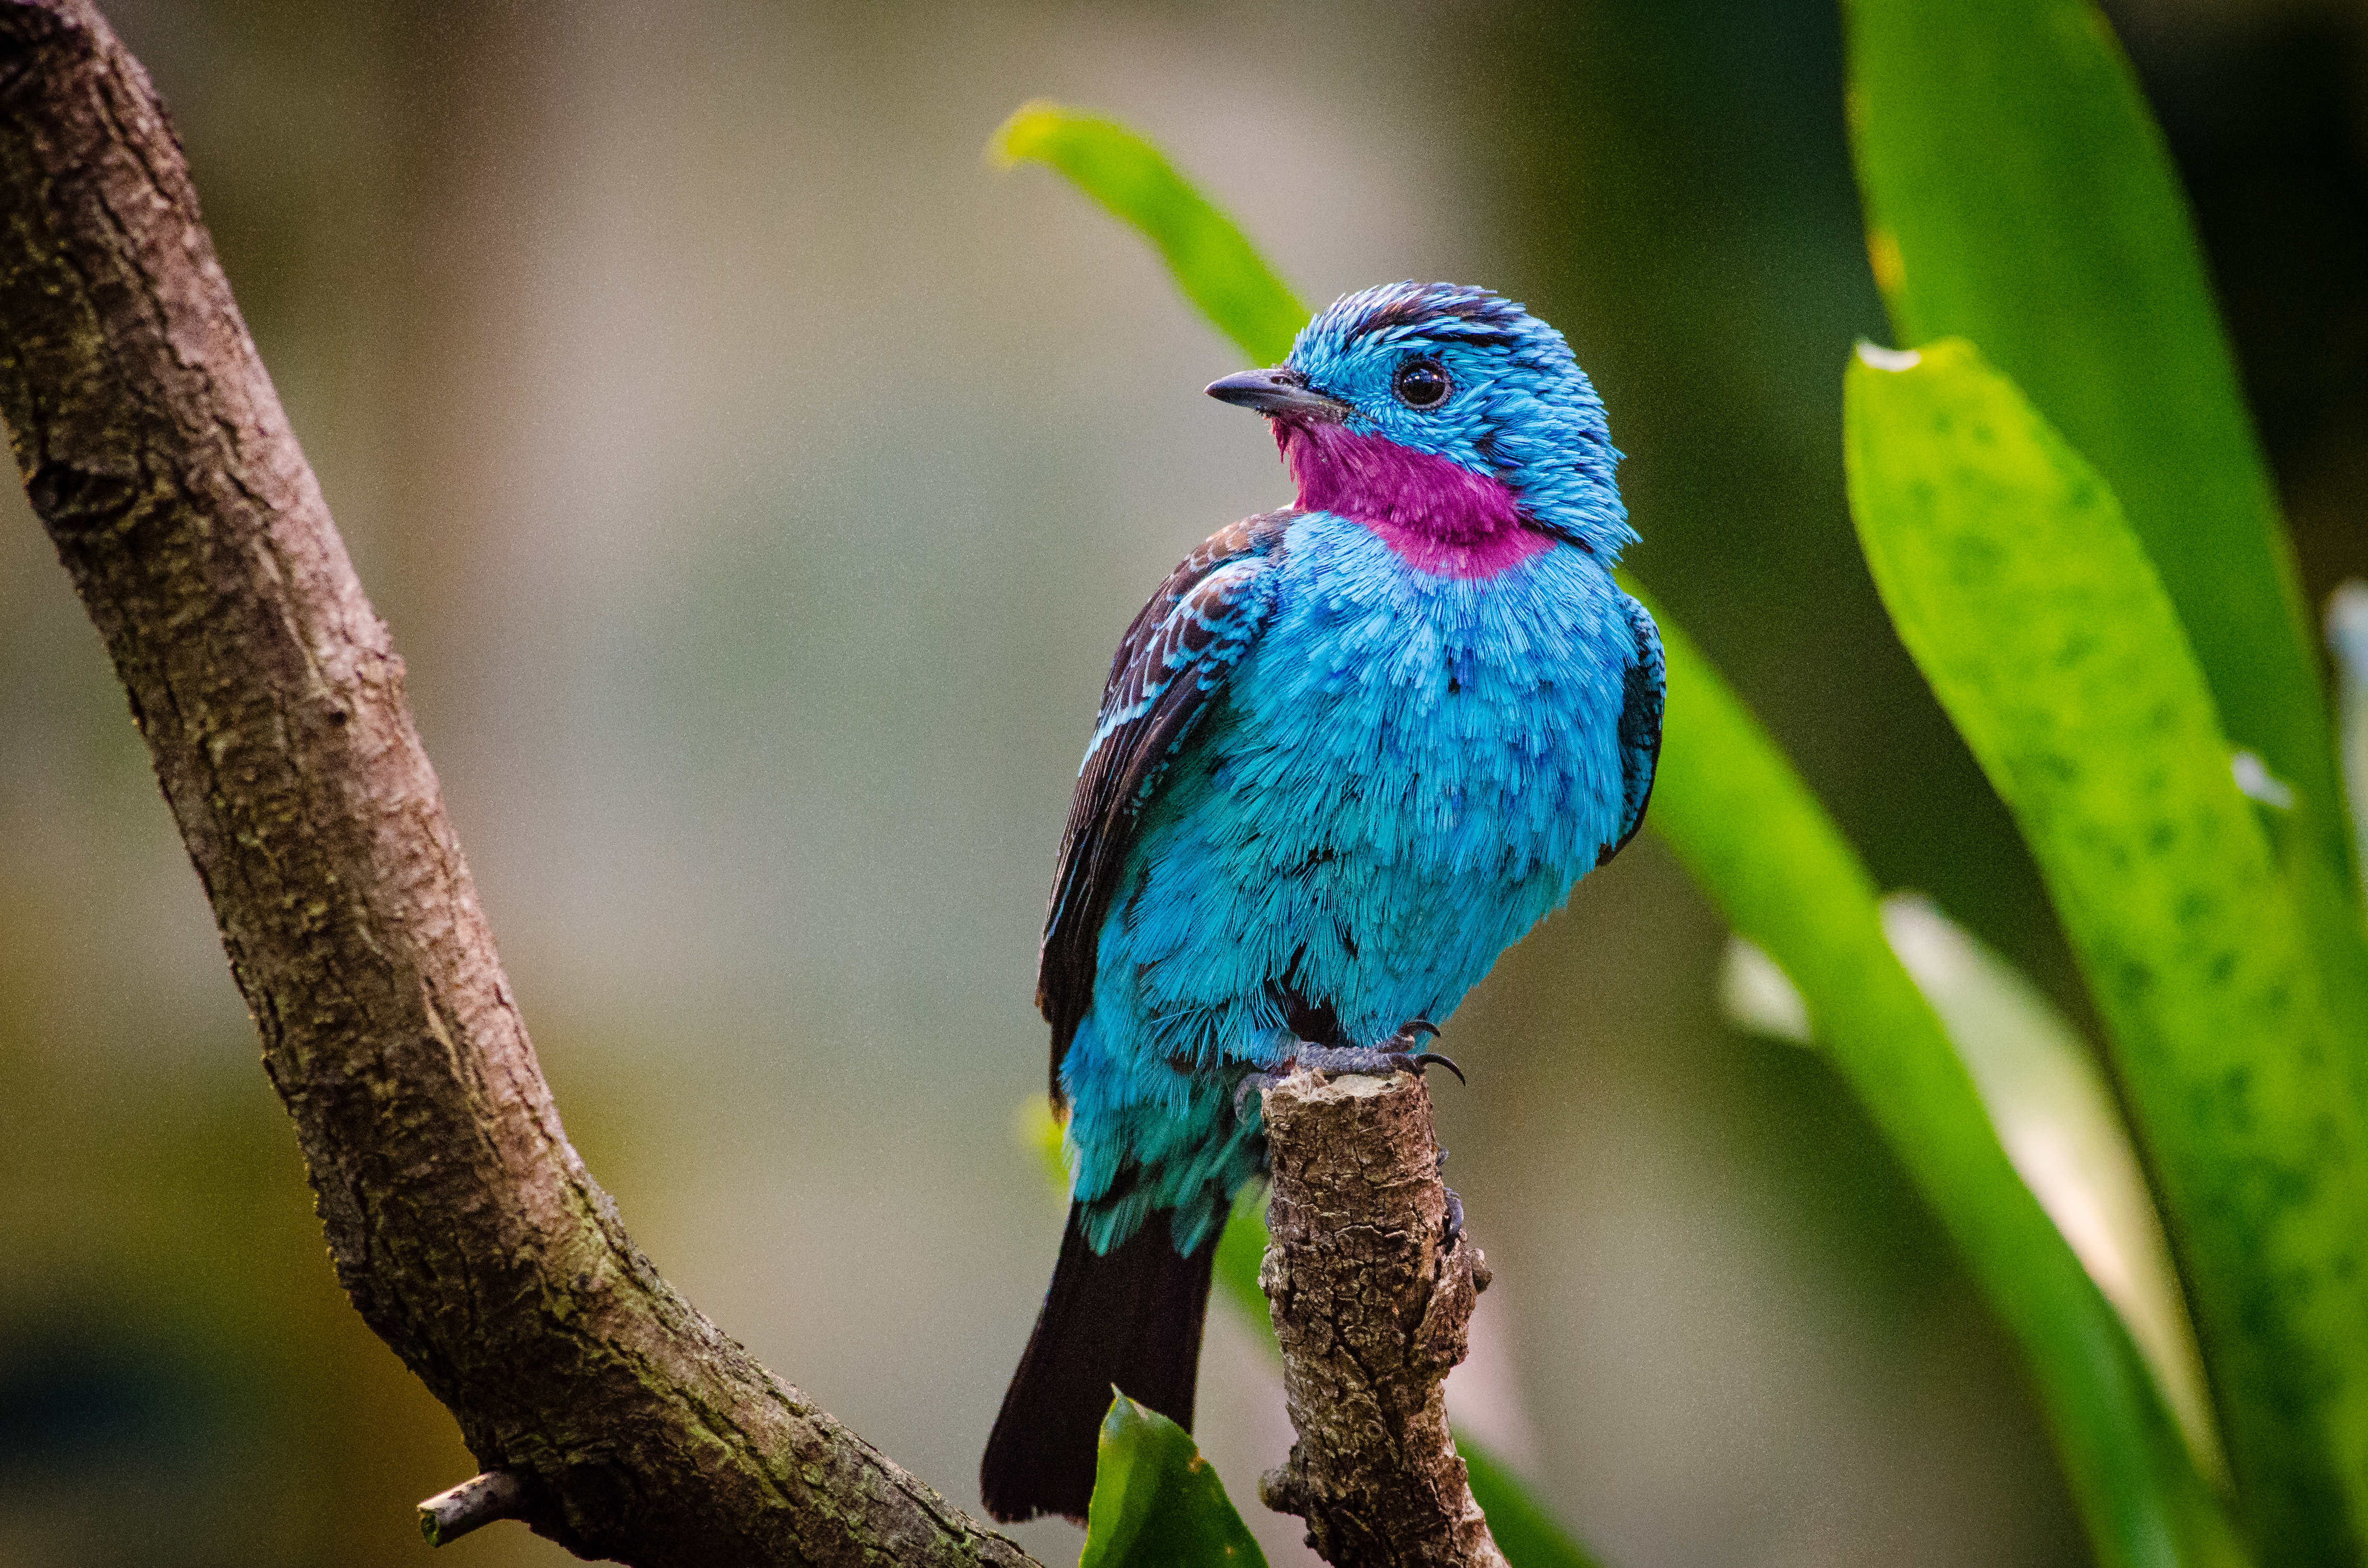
<point x="1338" y="786"/>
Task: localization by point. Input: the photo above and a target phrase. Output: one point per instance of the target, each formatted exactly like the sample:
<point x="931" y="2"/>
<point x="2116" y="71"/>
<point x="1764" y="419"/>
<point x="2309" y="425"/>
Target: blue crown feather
<point x="1522" y="411"/>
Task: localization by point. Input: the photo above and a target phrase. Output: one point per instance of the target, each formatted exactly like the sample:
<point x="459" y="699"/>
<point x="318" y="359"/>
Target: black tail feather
<point x="1130" y="1318"/>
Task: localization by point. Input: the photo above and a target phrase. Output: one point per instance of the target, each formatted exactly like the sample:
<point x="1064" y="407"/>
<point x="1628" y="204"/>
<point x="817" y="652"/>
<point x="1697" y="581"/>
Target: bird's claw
<point x="1413" y="1032"/>
<point x="1436" y="1058"/>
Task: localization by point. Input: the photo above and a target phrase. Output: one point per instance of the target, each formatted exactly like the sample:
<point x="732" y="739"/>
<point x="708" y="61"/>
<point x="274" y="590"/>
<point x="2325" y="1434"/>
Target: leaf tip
<point x="1024" y="134"/>
<point x="1874" y="357"/>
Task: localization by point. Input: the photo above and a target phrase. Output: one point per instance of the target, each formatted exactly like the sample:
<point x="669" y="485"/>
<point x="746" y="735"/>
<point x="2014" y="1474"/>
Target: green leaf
<point x="1217" y="268"/>
<point x="2057" y="1115"/>
<point x="1156" y="1503"/>
<point x="1757" y="842"/>
<point x="1766" y="853"/>
<point x="1035" y="1129"/>
<point x="1241" y="1248"/>
<point x="2033" y="610"/>
<point x="1524" y="1532"/>
<point x="2018" y="193"/>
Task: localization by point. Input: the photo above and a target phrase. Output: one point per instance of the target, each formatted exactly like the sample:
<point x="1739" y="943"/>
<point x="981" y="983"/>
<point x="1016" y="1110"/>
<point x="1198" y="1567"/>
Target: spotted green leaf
<point x="2018" y="194"/>
<point x="2033" y="609"/>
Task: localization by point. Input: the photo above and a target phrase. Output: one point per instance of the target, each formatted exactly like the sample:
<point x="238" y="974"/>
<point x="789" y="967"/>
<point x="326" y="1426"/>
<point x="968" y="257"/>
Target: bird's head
<point x="1447" y="419"/>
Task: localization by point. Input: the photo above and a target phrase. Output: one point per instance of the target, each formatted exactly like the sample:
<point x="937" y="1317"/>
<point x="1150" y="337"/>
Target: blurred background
<point x="757" y="483"/>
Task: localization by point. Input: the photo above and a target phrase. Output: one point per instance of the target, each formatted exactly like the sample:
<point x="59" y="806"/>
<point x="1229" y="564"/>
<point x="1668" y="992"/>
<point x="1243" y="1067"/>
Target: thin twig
<point x="475" y="1503"/>
<point x="1371" y="1280"/>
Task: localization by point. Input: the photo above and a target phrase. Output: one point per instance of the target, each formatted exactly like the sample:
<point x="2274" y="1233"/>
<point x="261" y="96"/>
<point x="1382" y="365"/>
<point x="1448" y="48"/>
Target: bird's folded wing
<point x="1639" y="726"/>
<point x="1171" y="666"/>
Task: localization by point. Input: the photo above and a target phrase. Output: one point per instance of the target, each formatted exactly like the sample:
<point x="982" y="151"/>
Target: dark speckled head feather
<point x="1485" y="317"/>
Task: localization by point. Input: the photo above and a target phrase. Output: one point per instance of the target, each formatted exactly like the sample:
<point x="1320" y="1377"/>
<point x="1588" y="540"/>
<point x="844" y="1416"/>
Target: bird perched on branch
<point x="1348" y="753"/>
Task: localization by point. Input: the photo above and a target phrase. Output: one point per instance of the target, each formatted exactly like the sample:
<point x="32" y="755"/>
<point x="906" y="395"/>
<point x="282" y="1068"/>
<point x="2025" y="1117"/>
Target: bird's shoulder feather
<point x="1169" y="669"/>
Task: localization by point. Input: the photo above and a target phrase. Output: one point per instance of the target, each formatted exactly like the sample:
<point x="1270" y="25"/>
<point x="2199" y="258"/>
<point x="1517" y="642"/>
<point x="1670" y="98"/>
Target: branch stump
<point x="1371" y="1289"/>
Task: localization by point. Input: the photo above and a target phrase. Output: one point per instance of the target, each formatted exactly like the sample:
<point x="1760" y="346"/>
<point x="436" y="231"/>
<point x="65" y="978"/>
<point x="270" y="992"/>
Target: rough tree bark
<point x="1372" y="1281"/>
<point x="609" y="1413"/>
<point x="462" y="1223"/>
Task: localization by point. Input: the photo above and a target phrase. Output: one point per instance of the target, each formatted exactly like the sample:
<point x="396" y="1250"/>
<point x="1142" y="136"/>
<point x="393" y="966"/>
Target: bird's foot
<point x="1254" y="1083"/>
<point x="1395" y="1054"/>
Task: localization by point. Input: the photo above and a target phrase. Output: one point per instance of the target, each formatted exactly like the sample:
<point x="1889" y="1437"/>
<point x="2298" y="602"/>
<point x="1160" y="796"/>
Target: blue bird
<point x="1348" y="753"/>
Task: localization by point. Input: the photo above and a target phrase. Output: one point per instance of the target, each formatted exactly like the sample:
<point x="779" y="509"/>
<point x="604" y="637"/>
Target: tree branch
<point x="475" y="1504"/>
<point x="1372" y="1292"/>
<point x="461" y="1221"/>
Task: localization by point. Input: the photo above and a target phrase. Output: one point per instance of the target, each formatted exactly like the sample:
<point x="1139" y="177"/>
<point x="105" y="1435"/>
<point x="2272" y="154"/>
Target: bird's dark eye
<point x="1420" y="383"/>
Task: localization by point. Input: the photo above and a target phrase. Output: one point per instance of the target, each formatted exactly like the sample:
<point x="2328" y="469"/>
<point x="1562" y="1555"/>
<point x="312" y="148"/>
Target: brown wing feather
<point x="1166" y="675"/>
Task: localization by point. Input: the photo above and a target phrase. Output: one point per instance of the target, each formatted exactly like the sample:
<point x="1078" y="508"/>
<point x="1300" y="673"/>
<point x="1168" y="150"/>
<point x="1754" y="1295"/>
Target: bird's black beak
<point x="1278" y="394"/>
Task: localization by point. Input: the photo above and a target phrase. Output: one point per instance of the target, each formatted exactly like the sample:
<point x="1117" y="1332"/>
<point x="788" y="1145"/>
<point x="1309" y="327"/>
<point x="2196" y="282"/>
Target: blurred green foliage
<point x="1218" y="270"/>
<point x="2229" y="982"/>
<point x="1787" y="881"/>
<point x="1527" y="1535"/>
<point x="2055" y="1112"/>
